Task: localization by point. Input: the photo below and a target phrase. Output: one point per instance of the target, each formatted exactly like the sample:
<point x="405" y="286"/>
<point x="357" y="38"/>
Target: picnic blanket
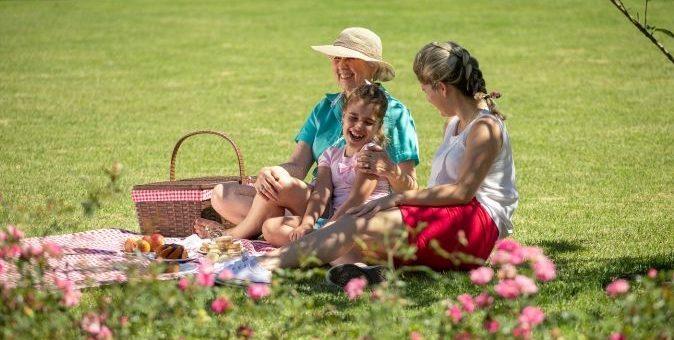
<point x="95" y="257"/>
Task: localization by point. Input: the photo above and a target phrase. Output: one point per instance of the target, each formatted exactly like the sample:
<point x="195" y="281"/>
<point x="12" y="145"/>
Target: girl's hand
<point x="371" y="208"/>
<point x="300" y="231"/>
<point x="374" y="160"/>
<point x="267" y="183"/>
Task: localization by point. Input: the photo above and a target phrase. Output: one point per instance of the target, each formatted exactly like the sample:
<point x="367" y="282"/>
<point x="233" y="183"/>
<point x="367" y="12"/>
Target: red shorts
<point x="444" y="224"/>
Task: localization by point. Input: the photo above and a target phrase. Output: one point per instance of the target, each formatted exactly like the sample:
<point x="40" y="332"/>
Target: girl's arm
<point x="318" y="200"/>
<point x="482" y="146"/>
<point x="363" y="187"/>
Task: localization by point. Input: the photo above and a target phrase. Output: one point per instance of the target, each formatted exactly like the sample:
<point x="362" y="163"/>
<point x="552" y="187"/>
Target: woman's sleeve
<point x="403" y="144"/>
<point x="308" y="131"/>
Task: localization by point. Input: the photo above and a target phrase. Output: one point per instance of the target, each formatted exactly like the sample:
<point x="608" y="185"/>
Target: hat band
<point x="358" y="48"/>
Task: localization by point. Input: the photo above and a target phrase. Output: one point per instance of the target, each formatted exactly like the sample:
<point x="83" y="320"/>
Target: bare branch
<point x="619" y="5"/>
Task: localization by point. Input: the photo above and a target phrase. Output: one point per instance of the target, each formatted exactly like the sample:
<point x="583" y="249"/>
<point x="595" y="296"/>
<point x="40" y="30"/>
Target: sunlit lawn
<point x="588" y="99"/>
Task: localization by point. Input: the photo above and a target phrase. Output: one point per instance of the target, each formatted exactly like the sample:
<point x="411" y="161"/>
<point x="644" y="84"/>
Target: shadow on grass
<point x="556" y="247"/>
<point x="606" y="270"/>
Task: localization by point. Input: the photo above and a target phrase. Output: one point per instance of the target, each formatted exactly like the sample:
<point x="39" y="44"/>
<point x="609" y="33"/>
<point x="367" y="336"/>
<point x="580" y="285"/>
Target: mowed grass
<point x="588" y="99"/>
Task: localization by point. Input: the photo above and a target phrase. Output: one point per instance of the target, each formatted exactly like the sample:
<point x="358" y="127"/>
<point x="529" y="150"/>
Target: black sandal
<point x="341" y="275"/>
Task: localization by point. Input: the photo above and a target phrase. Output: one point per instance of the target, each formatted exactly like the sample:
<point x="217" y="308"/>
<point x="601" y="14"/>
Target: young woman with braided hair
<point x="471" y="194"/>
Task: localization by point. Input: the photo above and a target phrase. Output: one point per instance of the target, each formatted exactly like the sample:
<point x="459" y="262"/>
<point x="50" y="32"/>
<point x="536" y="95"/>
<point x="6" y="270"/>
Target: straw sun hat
<point x="360" y="43"/>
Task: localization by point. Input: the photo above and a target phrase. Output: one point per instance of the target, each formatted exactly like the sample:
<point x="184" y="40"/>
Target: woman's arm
<point x="482" y="146"/>
<point x="318" y="201"/>
<point x="300" y="161"/>
<point x="298" y="165"/>
<point x="363" y="186"/>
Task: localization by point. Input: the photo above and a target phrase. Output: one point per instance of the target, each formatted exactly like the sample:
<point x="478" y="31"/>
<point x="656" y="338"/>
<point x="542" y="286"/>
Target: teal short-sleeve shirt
<point x="323" y="128"/>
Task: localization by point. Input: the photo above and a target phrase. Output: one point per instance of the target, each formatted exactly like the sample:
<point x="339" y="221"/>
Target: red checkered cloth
<point x="170" y="195"/>
<point x="95" y="257"/>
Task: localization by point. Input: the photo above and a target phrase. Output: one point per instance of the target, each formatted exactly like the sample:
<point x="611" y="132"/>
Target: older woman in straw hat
<point x="452" y="224"/>
<point x="356" y="58"/>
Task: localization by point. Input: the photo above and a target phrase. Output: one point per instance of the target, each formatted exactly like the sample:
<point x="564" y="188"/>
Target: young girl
<point x="364" y="111"/>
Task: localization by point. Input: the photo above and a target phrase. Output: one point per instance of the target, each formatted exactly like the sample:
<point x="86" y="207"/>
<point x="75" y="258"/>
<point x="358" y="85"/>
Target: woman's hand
<point x="374" y="160"/>
<point x="267" y="183"/>
<point x="371" y="208"/>
<point x="300" y="231"/>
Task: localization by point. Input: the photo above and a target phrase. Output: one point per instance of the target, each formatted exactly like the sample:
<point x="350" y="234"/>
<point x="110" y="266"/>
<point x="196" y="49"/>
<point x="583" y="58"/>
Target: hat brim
<point x="385" y="72"/>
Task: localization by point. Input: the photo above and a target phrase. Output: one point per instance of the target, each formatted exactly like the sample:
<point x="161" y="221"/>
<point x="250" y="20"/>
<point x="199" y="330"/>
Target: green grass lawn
<point x="589" y="103"/>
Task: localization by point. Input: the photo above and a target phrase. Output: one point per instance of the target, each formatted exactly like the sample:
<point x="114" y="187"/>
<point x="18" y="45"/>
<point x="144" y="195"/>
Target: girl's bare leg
<point x="294" y="196"/>
<point x="329" y="244"/>
<point x="277" y="230"/>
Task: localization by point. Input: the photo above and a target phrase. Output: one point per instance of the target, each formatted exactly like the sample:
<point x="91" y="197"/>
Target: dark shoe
<point x="341" y="275"/>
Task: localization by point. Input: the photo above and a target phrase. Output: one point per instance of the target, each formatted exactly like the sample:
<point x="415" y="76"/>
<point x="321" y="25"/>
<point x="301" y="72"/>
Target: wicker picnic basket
<point x="171" y="207"/>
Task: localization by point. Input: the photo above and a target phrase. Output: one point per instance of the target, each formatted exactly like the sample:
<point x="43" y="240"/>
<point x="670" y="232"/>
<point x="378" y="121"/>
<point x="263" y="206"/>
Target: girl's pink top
<point x="343" y="170"/>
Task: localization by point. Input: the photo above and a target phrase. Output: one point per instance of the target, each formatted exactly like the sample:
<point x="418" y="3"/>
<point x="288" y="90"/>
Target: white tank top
<point x="497" y="193"/>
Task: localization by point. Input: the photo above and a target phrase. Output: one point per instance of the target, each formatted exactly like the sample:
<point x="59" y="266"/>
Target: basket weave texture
<point x="171" y="207"/>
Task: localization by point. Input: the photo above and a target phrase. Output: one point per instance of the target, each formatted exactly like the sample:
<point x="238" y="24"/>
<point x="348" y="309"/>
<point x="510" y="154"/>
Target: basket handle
<point x="172" y="169"/>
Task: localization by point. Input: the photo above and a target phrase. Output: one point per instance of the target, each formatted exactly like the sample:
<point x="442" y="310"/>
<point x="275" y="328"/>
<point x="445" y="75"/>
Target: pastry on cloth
<point x="171" y="252"/>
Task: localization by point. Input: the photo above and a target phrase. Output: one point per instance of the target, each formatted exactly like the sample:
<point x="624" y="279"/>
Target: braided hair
<point x="371" y="94"/>
<point x="452" y="64"/>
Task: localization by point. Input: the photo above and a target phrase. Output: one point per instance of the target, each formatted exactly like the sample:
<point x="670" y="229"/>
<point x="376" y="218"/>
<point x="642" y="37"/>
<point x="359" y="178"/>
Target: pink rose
<point x="532" y="253"/>
<point x="220" y="305"/>
<point x="104" y="334"/>
<point x="183" y="283"/>
<point x="36" y="250"/>
<point x="484" y="300"/>
<point x="522" y="331"/>
<point x="526" y="285"/>
<point x="531" y="316"/>
<point x="466" y="302"/>
<point x="226" y="275"/>
<point x="617" y="287"/>
<point x="257" y="291"/>
<point x="500" y="257"/>
<point x="454" y="313"/>
<point x="205" y="280"/>
<point x="3" y="236"/>
<point x="517" y="257"/>
<point x="71" y="298"/>
<point x="205" y="274"/>
<point x="462" y="336"/>
<point x="507" y="271"/>
<point x="508" y="289"/>
<point x="544" y="269"/>
<point x="15" y="232"/>
<point x="508" y="245"/>
<point x="481" y="276"/>
<point x="491" y="326"/>
<point x="64" y="284"/>
<point x="354" y="288"/>
<point x="11" y="251"/>
<point x="3" y="267"/>
<point x="652" y="273"/>
<point x="91" y="323"/>
<point x="52" y="249"/>
<point x="617" y="336"/>
<point x="416" y="336"/>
